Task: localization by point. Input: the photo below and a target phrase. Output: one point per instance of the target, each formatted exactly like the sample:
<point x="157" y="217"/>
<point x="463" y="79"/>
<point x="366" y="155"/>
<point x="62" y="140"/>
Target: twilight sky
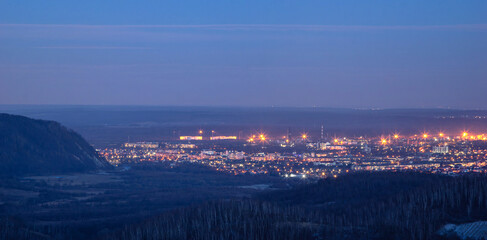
<point x="385" y="54"/>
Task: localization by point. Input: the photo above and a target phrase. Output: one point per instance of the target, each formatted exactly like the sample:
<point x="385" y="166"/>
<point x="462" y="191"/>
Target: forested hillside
<point x="360" y="206"/>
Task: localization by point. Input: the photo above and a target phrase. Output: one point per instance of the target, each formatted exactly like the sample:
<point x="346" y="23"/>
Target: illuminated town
<point x="303" y="157"/>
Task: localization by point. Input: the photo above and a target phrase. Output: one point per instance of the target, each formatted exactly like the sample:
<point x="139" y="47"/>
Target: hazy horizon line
<point x="245" y="106"/>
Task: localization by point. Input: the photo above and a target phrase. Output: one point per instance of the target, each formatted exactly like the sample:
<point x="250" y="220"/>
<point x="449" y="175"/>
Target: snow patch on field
<point x="475" y="230"/>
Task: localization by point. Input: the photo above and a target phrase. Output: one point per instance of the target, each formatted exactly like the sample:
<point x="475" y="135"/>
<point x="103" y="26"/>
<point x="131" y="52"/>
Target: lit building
<point x="440" y="149"/>
<point x="223" y="138"/>
<point x="142" y="145"/>
<point x="190" y="138"/>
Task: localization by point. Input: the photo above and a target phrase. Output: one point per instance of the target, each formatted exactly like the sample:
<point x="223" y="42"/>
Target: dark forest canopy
<point x="360" y="206"/>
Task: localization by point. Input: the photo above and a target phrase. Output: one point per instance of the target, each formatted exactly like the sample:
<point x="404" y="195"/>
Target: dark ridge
<point x="29" y="146"/>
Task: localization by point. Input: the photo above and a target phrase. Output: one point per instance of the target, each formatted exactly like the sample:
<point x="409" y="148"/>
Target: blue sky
<point x="382" y="54"/>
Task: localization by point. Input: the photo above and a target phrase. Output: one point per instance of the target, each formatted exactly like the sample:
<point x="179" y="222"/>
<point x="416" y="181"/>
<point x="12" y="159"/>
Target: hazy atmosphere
<point x="385" y="54"/>
<point x="243" y="120"/>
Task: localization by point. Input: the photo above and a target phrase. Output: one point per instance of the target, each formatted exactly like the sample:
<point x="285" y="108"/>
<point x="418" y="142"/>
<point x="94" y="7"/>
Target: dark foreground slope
<point x="29" y="146"/>
<point x="90" y="205"/>
<point x="363" y="206"/>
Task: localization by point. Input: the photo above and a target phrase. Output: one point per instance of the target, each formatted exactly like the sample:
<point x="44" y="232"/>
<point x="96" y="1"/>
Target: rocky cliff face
<point x="29" y="146"/>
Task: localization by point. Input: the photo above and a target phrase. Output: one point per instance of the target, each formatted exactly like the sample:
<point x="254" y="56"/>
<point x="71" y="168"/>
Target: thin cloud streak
<point x="94" y="47"/>
<point x="266" y="27"/>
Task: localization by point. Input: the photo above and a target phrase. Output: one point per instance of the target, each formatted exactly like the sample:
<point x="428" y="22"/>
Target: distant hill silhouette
<point x="29" y="146"/>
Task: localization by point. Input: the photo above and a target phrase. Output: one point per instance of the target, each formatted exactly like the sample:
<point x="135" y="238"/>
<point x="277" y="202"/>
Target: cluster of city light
<point x="433" y="151"/>
<point x="261" y="137"/>
<point x="464" y="135"/>
<point x="304" y="165"/>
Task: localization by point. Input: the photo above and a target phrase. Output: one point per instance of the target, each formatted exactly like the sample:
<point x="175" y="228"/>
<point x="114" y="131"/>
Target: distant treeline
<point x="112" y="125"/>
